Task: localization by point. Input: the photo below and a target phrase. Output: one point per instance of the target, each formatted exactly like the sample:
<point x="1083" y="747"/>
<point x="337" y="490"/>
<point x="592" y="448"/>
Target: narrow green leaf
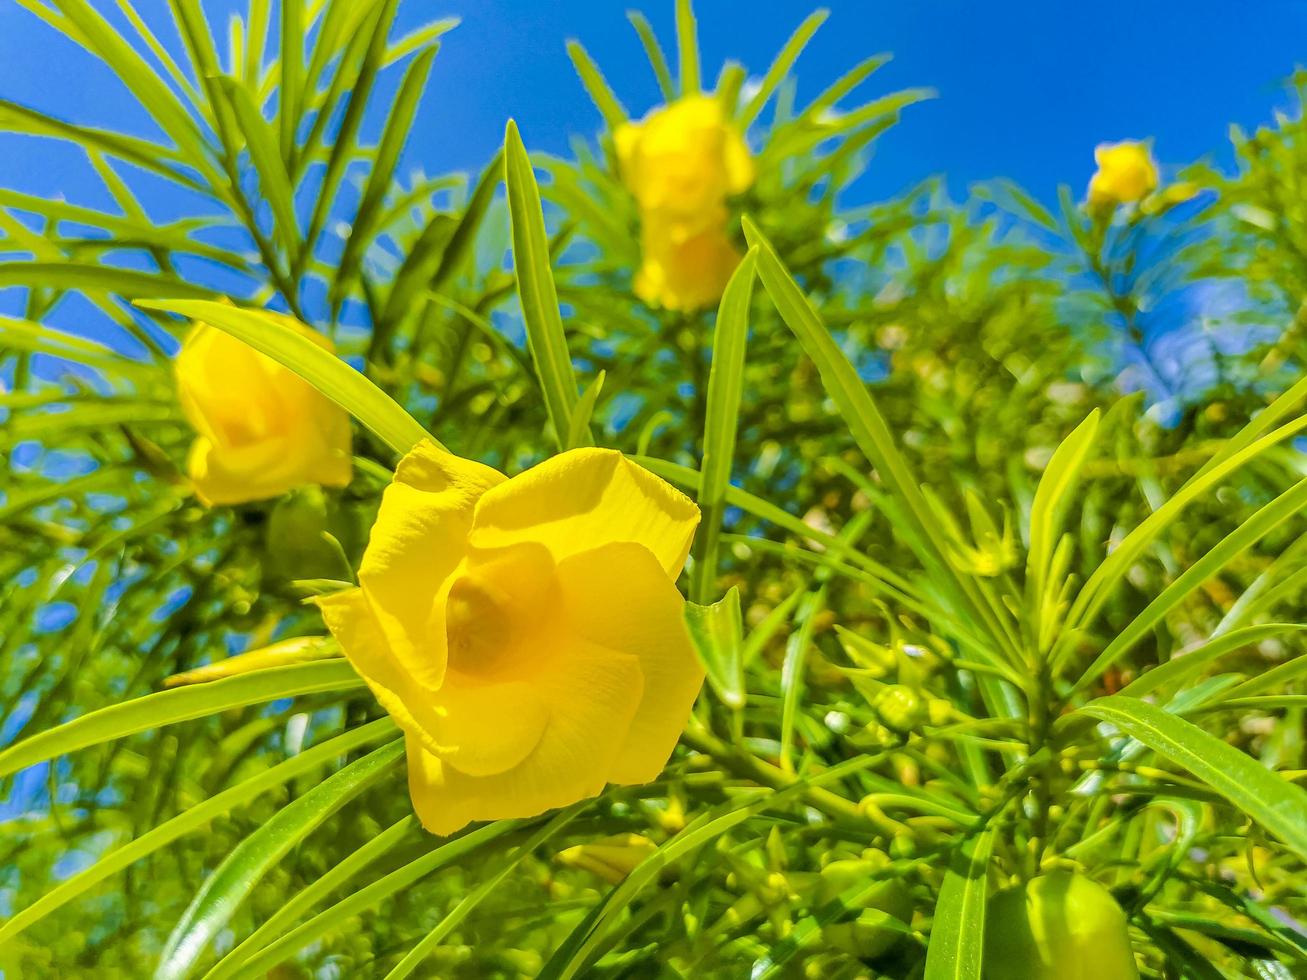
<point x="780" y="67"/>
<point x="867" y="426"/>
<point x="127" y="283"/>
<point x="469" y="902"/>
<point x="1275" y="803"/>
<point x="654" y="52"/>
<point x="274" y="181"/>
<point x="1056" y="488"/>
<point x="231" y="883"/>
<point x="1230" y="547"/>
<point x="721" y="419"/>
<point x="535" y="287"/>
<point x="292" y="76"/>
<point x="583" y="945"/>
<point x="193" y="819"/>
<point x="1112" y="571"/>
<point x="344" y="144"/>
<point x="687" y="47"/>
<point x="365" y="225"/>
<point x="793" y="669"/>
<point x="578" y="432"/>
<point x="325" y="371"/>
<point x="1189" y="664"/>
<point x="718" y="634"/>
<point x="596" y="86"/>
<point x="440" y="252"/>
<point x="957" y="938"/>
<point x="308" y="896"/>
<point x="181" y="704"/>
<point x="341" y="913"/>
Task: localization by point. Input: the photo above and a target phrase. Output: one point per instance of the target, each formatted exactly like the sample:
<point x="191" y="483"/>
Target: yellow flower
<point x="261" y="429"/>
<point x="684" y="160"/>
<point x="681" y="163"/>
<point x="525" y="634"/>
<point x="1126" y="173"/>
<point x="683" y="273"/>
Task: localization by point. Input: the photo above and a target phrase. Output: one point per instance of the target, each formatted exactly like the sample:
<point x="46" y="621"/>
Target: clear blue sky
<point x="1026" y="88"/>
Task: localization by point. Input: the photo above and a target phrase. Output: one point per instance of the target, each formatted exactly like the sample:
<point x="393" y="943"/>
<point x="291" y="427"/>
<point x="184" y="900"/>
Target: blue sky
<point x="1026" y="88"/>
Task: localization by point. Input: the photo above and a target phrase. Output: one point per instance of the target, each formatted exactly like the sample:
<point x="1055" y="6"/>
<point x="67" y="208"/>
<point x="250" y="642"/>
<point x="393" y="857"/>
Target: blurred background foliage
<point x="987" y="328"/>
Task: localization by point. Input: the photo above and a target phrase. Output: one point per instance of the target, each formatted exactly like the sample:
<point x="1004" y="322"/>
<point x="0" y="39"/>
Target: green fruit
<point x="867" y="936"/>
<point x="901" y="709"/>
<point x="1061" y="926"/>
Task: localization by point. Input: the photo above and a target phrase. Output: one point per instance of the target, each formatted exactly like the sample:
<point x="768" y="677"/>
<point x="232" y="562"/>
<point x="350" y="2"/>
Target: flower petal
<point x="585" y="498"/>
<point x="592" y="698"/>
<point x="349" y="617"/>
<point x="619" y="598"/>
<point x="419" y="538"/>
<point x="489" y="728"/>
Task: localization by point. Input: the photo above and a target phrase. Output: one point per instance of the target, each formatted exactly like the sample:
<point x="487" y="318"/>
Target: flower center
<point x="477" y="626"/>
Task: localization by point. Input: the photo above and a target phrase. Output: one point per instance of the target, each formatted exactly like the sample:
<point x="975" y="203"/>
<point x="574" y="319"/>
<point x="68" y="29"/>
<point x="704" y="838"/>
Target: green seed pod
<point x="1060" y="926"/>
<point x="867" y="936"/>
<point x="901" y="709"/>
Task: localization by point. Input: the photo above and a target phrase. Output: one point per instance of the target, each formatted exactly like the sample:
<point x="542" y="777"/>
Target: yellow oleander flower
<point x="1126" y="173"/>
<point x="525" y="634"/>
<point x="261" y="429"/>
<point x="683" y="273"/>
<point x="682" y="163"/>
<point x="683" y="160"/>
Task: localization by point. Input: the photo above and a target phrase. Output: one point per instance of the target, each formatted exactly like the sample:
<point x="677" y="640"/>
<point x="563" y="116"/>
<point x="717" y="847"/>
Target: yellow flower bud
<point x="525" y="634"/>
<point x="611" y="858"/>
<point x="1060" y="926"/>
<point x="260" y="429"/>
<point x="1126" y="173"/>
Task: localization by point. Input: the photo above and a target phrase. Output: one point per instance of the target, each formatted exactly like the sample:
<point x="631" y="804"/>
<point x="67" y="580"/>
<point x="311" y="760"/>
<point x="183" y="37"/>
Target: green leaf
<point x="439" y="253"/>
<point x="469" y="902"/>
<point x="291" y="88"/>
<point x="340" y="914"/>
<point x="1230" y="547"/>
<point x="654" y="52"/>
<point x="957" y="938"/>
<point x="1272" y="801"/>
<point x="687" y="47"/>
<point x="181" y="704"/>
<point x="266" y="157"/>
<point x="1056" y="487"/>
<point x="231" y="883"/>
<point x="366" y="219"/>
<point x="596" y="86"/>
<point x="127" y="283"/>
<point x="1190" y="663"/>
<point x="325" y="371"/>
<point x="193" y="819"/>
<point x="722" y="419"/>
<point x="362" y="859"/>
<point x="578" y="433"/>
<point x="780" y="67"/>
<point x="343" y="145"/>
<point x="866" y="425"/>
<point x="1114" y="568"/>
<point x="582" y="945"/>
<point x="535" y="287"/>
<point x="717" y="631"/>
